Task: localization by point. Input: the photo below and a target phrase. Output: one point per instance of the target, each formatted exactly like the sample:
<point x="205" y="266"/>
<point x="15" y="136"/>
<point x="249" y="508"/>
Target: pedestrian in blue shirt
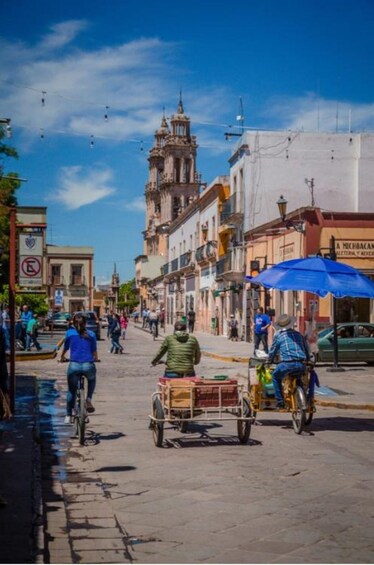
<point x="261" y="324"/>
<point x="83" y="355"/>
<point x="291" y="349"/>
<point x="26" y="316"/>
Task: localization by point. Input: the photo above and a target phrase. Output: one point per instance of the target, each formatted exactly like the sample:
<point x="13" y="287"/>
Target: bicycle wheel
<point x="244" y="426"/>
<point x="81" y="416"/>
<point x="158" y="427"/>
<point x="299" y="411"/>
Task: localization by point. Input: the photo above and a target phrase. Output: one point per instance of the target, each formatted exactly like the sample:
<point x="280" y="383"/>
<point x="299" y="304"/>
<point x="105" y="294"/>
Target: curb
<point x="343" y="405"/>
<point x="228" y="359"/>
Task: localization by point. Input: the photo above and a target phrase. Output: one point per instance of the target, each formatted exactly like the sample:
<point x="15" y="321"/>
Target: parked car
<point x="92" y="321"/>
<point x="60" y="321"/>
<point x="355" y="343"/>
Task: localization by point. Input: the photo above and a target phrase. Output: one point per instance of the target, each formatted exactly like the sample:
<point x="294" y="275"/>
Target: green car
<point x="355" y="343"/>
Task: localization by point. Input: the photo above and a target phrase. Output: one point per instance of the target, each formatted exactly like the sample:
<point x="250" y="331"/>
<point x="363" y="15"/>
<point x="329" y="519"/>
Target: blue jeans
<point x="280" y="372"/>
<point x="262" y="338"/>
<point x="116" y="344"/>
<point x="74" y="370"/>
<point x="7" y="338"/>
<point x="153" y="323"/>
<point x="32" y="340"/>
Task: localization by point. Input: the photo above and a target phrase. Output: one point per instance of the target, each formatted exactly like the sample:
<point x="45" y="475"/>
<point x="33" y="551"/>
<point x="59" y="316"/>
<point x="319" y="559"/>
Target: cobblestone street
<point x="203" y="497"/>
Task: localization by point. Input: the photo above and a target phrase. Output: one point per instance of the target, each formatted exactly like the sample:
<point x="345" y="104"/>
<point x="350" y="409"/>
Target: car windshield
<point x="325" y="332"/>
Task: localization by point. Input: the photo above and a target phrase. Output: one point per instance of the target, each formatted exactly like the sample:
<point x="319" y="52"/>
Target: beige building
<point x="70" y="279"/>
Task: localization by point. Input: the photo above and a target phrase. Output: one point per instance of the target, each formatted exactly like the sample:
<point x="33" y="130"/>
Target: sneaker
<point x="68" y="419"/>
<point x="89" y="406"/>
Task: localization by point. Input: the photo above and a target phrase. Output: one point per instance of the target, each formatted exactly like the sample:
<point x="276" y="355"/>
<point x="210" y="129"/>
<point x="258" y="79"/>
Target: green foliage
<point x="128" y="298"/>
<point x="8" y="198"/>
<point x="38" y="303"/>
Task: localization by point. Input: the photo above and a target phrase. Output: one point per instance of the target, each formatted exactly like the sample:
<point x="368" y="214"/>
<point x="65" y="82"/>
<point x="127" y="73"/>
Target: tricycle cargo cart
<point x="297" y="388"/>
<point x="195" y="399"/>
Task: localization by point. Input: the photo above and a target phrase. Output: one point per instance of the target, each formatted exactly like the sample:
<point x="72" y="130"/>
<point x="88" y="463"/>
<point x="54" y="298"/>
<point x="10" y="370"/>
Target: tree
<point x="8" y="187"/>
<point x="127" y="299"/>
<point x="38" y="303"/>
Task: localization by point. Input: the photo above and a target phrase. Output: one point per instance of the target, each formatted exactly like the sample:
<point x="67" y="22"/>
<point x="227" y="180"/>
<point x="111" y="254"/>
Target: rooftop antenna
<point x="239" y="118"/>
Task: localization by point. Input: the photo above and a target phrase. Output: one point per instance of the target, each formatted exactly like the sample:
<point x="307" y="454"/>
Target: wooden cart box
<point x="223" y="393"/>
<point x="179" y="393"/>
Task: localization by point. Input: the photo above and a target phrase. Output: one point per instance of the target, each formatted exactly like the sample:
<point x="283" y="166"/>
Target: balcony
<point x="211" y="250"/>
<point x="77" y="280"/>
<point x="185" y="259"/>
<point x="200" y="254"/>
<point x="231" y="212"/>
<point x="56" y="280"/>
<point x="230" y="267"/>
<point x="165" y="269"/>
<point x="174" y="265"/>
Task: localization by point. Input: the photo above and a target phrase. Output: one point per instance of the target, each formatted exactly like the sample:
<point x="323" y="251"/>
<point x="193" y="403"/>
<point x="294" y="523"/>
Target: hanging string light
<point x="41" y="133"/>
<point x="106" y="116"/>
<point x="92" y="143"/>
<point x="43" y="97"/>
<point x="141" y="145"/>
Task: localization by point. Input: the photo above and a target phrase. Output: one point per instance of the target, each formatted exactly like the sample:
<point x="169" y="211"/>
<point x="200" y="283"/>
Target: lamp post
<point x="296" y="225"/>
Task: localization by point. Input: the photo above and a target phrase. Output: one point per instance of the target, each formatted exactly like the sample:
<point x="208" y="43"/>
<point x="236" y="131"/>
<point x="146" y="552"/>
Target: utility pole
<point x="310" y="185"/>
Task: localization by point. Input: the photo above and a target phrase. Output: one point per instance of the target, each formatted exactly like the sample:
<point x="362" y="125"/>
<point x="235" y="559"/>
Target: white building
<point x="331" y="171"/>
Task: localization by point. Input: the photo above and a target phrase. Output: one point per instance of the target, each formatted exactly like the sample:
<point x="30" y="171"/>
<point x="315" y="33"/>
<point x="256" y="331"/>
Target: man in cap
<point x="291" y="349"/>
<point x="183" y="352"/>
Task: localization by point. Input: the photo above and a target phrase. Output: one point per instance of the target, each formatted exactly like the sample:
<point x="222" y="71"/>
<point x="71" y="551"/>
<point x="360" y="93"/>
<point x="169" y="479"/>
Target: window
<point x="76" y="274"/>
<point x="56" y="274"/>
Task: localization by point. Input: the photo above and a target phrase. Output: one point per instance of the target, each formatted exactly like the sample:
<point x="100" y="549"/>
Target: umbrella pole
<point x="336" y="367"/>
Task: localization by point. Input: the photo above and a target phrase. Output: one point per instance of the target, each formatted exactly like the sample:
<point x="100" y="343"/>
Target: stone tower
<point x="173" y="181"/>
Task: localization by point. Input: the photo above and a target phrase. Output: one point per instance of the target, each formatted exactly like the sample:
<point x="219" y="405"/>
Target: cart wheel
<point x="299" y="413"/>
<point x="158" y="427"/>
<point x="244" y="426"/>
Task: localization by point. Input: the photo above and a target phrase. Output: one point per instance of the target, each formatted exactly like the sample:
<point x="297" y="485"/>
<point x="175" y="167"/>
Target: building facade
<point x="70" y="280"/>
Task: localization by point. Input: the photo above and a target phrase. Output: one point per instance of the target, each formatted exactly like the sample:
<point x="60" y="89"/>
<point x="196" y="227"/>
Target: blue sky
<point x="289" y="61"/>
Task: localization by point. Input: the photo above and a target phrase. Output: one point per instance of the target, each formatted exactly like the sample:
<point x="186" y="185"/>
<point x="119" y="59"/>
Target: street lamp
<point x="282" y="207"/>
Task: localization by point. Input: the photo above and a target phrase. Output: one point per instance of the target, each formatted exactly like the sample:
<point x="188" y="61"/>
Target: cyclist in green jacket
<point x="183" y="352"/>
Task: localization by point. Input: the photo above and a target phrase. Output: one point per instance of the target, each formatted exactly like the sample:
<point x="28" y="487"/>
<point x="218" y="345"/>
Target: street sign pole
<point x="12" y="308"/>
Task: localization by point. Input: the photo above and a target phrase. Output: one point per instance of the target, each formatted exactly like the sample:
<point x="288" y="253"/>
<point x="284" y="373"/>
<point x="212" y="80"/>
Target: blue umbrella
<point x="317" y="275"/>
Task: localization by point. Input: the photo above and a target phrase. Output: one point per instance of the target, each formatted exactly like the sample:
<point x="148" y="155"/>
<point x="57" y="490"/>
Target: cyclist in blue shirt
<point x="261" y="324"/>
<point x="83" y="355"/>
<point x="291" y="349"/>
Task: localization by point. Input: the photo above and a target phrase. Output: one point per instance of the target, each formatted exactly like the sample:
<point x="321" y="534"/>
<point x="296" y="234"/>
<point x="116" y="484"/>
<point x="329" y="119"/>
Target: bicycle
<point x="80" y="410"/>
<point x="79" y="416"/>
<point x="297" y="389"/>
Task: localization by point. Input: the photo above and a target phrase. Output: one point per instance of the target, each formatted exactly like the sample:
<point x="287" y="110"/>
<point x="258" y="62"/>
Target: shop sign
<point x="363" y="248"/>
<point x="287" y="252"/>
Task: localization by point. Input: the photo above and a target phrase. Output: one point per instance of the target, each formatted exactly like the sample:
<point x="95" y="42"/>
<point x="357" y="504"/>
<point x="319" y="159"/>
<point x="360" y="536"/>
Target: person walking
<point x="26" y="316"/>
<point x="261" y="325"/>
<point x="32" y="334"/>
<point x="233" y="328"/>
<point x="123" y="322"/>
<point x="5" y="324"/>
<point x="191" y="317"/>
<point x="115" y="334"/>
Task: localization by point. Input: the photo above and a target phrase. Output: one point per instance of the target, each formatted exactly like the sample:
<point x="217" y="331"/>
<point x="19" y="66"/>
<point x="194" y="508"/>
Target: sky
<point x="85" y="84"/>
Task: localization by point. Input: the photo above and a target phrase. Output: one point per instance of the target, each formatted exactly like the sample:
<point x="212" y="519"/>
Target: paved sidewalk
<point x="351" y="388"/>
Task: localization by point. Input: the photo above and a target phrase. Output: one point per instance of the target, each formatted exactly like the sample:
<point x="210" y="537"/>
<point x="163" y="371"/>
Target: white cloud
<point x="79" y="187"/>
<point x="310" y="113"/>
<point x="136" y="205"/>
<point x="134" y="80"/>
